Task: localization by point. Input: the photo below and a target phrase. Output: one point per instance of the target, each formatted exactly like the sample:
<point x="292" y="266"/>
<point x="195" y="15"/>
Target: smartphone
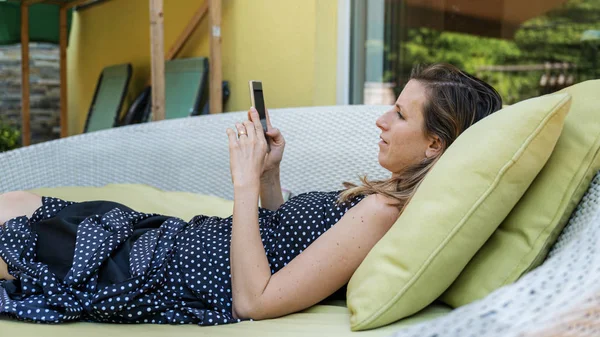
<point x="258" y="102"/>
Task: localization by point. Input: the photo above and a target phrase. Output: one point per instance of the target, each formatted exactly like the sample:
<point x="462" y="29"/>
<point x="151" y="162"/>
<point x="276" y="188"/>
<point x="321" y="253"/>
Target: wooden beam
<point x="26" y="126"/>
<point x="67" y="5"/>
<point x="185" y="35"/>
<point x="187" y="32"/>
<point x="64" y="116"/>
<point x="31" y="2"/>
<point x="157" y="59"/>
<point x="215" y="72"/>
<point x="74" y="3"/>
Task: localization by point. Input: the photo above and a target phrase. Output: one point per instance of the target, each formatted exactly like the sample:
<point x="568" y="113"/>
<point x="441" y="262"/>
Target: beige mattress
<point x="321" y="320"/>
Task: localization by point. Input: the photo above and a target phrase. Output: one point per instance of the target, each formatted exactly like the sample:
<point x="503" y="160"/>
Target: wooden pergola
<point x="158" y="58"/>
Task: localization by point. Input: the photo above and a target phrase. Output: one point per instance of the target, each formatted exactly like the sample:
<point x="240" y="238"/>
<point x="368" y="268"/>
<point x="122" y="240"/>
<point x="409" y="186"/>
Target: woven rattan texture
<point x="324" y="146"/>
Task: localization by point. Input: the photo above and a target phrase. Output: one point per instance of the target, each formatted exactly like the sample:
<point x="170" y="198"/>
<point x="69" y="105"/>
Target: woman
<point x="104" y="262"/>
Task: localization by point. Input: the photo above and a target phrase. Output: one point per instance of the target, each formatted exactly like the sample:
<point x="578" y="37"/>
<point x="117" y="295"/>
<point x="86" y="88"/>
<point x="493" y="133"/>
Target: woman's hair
<point x="455" y="101"/>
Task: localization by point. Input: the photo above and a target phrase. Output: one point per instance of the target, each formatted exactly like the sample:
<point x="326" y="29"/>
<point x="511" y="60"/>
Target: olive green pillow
<point x="147" y="199"/>
<point x="458" y="206"/>
<point x="525" y="236"/>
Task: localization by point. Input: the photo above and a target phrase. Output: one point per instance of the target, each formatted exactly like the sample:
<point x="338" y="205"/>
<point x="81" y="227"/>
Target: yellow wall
<point x="288" y="44"/>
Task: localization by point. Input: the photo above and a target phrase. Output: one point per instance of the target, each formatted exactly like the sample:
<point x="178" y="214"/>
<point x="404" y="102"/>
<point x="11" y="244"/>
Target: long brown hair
<point x="455" y="101"/>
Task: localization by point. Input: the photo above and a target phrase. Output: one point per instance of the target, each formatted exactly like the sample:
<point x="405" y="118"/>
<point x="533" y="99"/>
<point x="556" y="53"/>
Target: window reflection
<point x="522" y="48"/>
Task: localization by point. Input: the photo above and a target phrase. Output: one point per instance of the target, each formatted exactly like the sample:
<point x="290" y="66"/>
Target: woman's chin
<point x="381" y="161"/>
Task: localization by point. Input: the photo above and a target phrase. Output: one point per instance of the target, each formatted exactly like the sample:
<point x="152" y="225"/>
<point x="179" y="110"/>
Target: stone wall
<point x="44" y="89"/>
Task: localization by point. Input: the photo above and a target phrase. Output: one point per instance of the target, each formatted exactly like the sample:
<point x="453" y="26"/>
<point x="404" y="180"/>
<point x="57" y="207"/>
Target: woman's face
<point x="403" y="140"/>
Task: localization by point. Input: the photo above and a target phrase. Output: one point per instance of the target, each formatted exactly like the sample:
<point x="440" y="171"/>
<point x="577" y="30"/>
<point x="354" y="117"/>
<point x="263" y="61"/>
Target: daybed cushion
<point x="458" y="206"/>
<point x="523" y="239"/>
<point x="147" y="199"/>
<point x="320" y="320"/>
<point x="326" y="319"/>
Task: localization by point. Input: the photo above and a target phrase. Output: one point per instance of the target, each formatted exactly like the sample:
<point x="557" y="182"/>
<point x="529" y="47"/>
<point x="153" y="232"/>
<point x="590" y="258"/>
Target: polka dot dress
<point x="103" y="262"/>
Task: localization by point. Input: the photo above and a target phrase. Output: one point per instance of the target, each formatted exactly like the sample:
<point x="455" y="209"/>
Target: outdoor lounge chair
<point x="186" y="92"/>
<point x="108" y="98"/>
<point x="185" y="88"/>
<point x="311" y="163"/>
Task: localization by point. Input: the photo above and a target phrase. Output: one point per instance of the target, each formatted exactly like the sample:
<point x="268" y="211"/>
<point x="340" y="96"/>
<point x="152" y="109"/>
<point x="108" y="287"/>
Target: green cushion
<point x="524" y="237"/>
<point x="107" y="104"/>
<point x="460" y="203"/>
<point x="327" y="319"/>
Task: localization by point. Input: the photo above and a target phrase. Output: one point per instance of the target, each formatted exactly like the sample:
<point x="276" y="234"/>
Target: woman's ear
<point x="435" y="147"/>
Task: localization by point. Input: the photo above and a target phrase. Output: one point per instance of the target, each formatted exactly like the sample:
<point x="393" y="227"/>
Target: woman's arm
<point x="318" y="271"/>
<point x="325" y="266"/>
<point x="249" y="265"/>
<point x="271" y="196"/>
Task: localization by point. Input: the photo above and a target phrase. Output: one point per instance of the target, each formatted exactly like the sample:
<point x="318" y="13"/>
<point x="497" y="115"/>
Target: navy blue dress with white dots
<point x="104" y="262"/>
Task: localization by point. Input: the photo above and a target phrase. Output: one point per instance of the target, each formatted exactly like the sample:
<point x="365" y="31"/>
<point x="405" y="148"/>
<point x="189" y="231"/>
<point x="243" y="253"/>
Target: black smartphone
<point x="258" y="102"/>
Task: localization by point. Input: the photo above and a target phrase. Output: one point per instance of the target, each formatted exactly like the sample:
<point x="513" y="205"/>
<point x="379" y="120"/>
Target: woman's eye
<point x="400" y="114"/>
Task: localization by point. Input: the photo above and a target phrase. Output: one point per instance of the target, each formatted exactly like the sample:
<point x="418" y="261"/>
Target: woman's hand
<point x="277" y="143"/>
<point x="247" y="151"/>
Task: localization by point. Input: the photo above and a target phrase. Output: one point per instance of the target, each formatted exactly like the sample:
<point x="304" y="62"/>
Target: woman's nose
<point x="380" y="122"/>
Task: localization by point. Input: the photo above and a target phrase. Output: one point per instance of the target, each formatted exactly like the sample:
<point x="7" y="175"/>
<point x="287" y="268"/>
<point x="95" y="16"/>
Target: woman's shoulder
<point x="382" y="204"/>
<point x="376" y="198"/>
